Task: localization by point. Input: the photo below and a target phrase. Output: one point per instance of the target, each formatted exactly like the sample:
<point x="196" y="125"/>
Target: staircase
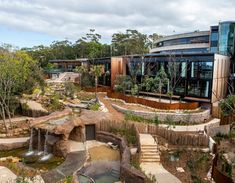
<point x="149" y="149"/>
<point x="115" y="173"/>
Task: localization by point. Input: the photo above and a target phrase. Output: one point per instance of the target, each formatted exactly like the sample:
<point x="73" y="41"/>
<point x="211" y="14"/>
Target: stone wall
<point x="4" y="146"/>
<point x="127" y="173"/>
<point x="197" y="117"/>
<point x="224" y="130"/>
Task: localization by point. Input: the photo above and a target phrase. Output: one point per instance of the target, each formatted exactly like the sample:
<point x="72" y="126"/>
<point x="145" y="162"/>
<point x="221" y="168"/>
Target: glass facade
<point x="214" y="38"/>
<point x="193" y="77"/>
<point x="187" y="40"/>
<point x="226" y="38"/>
<point x="191" y="50"/>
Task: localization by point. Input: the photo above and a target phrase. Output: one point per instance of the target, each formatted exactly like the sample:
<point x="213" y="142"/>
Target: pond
<point x="33" y="160"/>
<point x="102" y="171"/>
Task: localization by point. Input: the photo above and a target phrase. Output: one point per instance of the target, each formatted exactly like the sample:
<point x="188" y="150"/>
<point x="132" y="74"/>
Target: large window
<point x="201" y="70"/>
<point x="226" y="38"/>
<point x="188" y="40"/>
<point x="199" y="88"/>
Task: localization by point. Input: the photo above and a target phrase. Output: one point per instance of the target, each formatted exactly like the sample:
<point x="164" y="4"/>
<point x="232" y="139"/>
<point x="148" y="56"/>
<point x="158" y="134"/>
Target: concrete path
<point x="193" y="128"/>
<point x="152" y="166"/>
<point x="159" y="172"/>
<point x="6" y="175"/>
<point x="13" y="140"/>
<point x="117" y="116"/>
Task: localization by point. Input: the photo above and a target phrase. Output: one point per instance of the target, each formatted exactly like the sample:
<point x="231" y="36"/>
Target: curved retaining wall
<point x="198" y="117"/>
<point x="153" y="104"/>
<point x="127" y="173"/>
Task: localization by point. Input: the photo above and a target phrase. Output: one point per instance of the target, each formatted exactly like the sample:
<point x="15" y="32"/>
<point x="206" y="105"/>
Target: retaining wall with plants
<point x="197" y="117"/>
<point x="153" y="104"/>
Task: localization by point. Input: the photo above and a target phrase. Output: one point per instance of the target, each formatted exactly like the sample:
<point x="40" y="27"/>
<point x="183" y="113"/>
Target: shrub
<point x="55" y="103"/>
<point x="135" y="90"/>
<point x="129" y="134"/>
<point x="118" y="88"/>
<point x="70" y="89"/>
<point x="227" y="105"/>
<point x="94" y="107"/>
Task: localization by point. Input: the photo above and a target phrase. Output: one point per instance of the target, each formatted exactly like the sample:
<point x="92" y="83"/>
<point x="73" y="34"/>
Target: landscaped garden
<point x="188" y="166"/>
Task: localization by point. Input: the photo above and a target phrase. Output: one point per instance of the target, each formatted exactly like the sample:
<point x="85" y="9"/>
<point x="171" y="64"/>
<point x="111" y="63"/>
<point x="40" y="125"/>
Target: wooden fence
<point x="175" y="138"/>
<point x="153" y="104"/>
<point x="226" y="120"/>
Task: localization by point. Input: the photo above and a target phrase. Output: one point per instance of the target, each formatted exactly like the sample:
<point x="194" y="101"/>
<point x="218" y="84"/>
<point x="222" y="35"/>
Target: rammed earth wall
<point x="197" y="117"/>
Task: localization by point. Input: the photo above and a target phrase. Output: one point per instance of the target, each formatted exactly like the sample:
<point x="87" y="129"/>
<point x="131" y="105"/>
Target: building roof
<point x="66" y="60"/>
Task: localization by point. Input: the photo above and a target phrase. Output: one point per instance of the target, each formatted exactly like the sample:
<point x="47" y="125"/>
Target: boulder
<point x="61" y="148"/>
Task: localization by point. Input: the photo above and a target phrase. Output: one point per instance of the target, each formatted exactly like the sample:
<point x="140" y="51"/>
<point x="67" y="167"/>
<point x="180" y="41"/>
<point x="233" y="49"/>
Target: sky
<point x="27" y="23"/>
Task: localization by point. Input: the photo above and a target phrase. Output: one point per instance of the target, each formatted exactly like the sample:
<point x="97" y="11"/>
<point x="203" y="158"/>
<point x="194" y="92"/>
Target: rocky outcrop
<point x="61" y="148"/>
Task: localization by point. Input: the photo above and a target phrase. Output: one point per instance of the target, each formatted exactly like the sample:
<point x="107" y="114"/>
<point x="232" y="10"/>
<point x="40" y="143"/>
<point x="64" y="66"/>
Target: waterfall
<point x="39" y="142"/>
<point x="31" y="141"/>
<point x="46" y="156"/>
<point x="30" y="150"/>
<point x="45" y="144"/>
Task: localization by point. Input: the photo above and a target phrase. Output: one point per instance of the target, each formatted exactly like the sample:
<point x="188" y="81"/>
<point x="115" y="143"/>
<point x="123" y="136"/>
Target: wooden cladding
<point x="154" y="104"/>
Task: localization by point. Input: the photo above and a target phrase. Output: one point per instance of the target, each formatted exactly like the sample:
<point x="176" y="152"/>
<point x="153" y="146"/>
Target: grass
<point x="135" y="161"/>
<point x="129" y="134"/>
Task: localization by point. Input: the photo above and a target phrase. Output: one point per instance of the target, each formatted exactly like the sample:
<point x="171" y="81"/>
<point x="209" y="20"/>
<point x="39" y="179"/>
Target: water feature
<point x="101" y="171"/>
<point x="30" y="150"/>
<point x="46" y="156"/>
<point x="39" y="143"/>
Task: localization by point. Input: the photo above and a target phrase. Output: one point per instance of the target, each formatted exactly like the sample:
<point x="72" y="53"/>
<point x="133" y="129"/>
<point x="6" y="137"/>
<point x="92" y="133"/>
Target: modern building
<point x="198" y="41"/>
<point x="219" y="39"/>
<point x="202" y="59"/>
<point x="198" y="77"/>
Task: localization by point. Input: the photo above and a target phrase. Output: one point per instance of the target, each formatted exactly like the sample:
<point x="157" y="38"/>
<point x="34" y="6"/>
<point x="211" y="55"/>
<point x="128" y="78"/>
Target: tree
<point x="16" y="75"/>
<point x="161" y="80"/>
<point x="96" y="71"/>
<point x="148" y="84"/>
<point x="122" y="83"/>
<point x="130" y="42"/>
<point x="152" y="38"/>
<point x="173" y="71"/>
<point x="81" y="70"/>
